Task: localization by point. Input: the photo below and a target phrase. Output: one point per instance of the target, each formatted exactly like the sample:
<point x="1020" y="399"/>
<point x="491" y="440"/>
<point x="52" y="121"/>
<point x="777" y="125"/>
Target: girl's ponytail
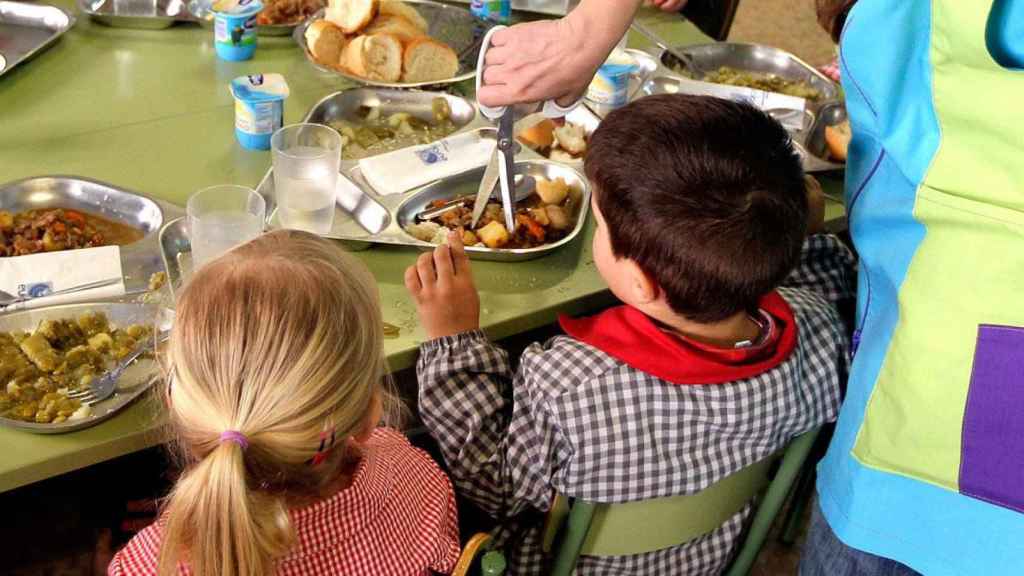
<point x="227" y="528"/>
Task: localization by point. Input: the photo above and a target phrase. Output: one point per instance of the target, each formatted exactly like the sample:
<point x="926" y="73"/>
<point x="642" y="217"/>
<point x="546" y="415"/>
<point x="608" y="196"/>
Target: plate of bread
<point x="393" y="43"/>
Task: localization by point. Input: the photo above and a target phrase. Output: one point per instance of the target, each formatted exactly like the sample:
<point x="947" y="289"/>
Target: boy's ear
<point x="643" y="286"/>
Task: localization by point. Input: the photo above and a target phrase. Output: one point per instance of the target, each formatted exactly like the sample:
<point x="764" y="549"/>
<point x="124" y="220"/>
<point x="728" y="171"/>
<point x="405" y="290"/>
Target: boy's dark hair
<point x="705" y="195"/>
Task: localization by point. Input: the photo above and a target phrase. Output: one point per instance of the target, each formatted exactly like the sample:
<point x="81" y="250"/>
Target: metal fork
<point x="103" y="387"/>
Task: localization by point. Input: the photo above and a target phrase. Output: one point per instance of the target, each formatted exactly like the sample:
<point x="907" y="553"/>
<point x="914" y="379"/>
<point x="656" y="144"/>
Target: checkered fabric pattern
<point x="397" y="518"/>
<point x="574" y="420"/>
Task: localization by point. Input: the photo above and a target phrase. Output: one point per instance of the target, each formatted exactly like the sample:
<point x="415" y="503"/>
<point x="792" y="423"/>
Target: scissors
<point x="501" y="168"/>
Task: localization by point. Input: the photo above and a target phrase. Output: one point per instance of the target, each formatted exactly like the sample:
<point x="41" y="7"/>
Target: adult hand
<point x="441" y="284"/>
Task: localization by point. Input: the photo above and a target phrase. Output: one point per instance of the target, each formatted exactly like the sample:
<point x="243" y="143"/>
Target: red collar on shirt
<point x="631" y="336"/>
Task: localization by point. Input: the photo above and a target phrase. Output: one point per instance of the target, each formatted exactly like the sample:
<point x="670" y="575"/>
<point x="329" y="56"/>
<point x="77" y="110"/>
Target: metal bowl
<point x="135" y="381"/>
<point x="454" y="26"/>
<point x="143" y="14"/>
<point x="756" y="58"/>
<point x="466" y="184"/>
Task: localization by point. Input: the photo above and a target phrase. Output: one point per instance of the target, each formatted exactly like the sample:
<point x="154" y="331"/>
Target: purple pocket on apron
<point x="992" y="452"/>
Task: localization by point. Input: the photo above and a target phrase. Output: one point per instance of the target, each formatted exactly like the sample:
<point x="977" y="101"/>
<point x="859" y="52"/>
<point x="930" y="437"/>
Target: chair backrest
<point x="595" y="529"/>
<point x="478" y="559"/>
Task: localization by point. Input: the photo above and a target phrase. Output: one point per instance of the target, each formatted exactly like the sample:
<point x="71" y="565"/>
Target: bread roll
<point x="539" y="136"/>
<point x="376" y="57"/>
<point x="403" y="10"/>
<point x="837" y="137"/>
<point x="426" y="60"/>
<point x="351" y="15"/>
<point x="325" y="42"/>
<point x="396" y="26"/>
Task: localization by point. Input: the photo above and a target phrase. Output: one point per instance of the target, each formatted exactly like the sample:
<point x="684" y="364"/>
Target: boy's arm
<point x="501" y="454"/>
<point x="826" y="265"/>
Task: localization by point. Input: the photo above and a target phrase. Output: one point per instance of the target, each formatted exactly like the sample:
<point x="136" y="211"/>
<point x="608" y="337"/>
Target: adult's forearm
<point x="604" y="21"/>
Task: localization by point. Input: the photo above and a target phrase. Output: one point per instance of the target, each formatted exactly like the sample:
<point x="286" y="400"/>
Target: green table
<point x="151" y="111"/>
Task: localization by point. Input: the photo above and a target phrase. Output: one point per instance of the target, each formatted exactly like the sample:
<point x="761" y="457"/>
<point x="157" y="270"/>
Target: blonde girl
<point x="274" y="394"/>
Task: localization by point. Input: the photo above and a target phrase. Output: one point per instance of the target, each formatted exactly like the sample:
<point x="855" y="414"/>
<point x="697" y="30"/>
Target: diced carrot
<point x="75" y="216"/>
<point x="533" y="228"/>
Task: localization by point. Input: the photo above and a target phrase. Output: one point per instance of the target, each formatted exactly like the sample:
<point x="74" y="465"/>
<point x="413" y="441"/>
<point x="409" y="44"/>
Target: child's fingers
<point x="412" y="280"/>
<point x="443" y="264"/>
<point x="459" y="257"/>
<point x="425" y="269"/>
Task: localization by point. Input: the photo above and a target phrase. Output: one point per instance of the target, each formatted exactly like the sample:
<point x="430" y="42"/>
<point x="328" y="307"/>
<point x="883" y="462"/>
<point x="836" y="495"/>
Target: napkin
<point x="402" y="170"/>
<point x="767" y="101"/>
<point x="52" y="271"/>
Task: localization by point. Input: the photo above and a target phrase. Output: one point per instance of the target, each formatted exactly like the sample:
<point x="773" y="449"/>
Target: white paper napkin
<point x="403" y="170"/>
<point x="52" y="271"/>
<point x="767" y="101"/>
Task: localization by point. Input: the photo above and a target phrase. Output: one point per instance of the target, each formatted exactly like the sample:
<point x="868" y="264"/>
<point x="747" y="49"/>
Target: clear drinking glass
<point x="222" y="217"/>
<point x="307" y="158"/>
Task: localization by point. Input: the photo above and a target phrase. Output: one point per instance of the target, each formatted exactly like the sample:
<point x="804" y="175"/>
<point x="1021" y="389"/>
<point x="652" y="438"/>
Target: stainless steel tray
<point x="27" y="29"/>
<point x="139" y="260"/>
<point x="828" y="115"/>
<point x="144" y="14"/>
<point x="453" y="25"/>
<point x="135" y="381"/>
<point x="202" y="12"/>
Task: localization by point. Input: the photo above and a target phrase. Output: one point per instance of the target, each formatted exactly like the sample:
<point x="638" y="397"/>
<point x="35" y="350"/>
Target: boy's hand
<point x="815" y="205"/>
<point x="441" y="283"/>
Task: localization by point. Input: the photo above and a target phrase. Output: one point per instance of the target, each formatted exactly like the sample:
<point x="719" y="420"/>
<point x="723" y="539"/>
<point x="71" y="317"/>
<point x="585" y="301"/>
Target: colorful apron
<point x="927" y="464"/>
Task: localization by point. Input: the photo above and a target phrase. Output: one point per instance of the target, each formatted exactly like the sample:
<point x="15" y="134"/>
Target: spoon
<point x="525" y="187"/>
<point x="688" y="61"/>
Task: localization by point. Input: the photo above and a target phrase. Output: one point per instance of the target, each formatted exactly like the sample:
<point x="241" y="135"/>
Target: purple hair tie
<point x="236" y="437"/>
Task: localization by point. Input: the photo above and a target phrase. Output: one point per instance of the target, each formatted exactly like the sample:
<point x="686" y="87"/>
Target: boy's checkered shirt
<point x="574" y="420"/>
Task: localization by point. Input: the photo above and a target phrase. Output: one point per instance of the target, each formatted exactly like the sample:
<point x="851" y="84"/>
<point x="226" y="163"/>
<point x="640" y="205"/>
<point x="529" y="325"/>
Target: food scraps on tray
<point x="837" y="140"/>
<point x="51" y="230"/>
<point x="560" y="140"/>
<point x="545" y="217"/>
<point x="756" y="80"/>
<point x="381" y="40"/>
<point x="376" y="133"/>
<point x="37" y="370"/>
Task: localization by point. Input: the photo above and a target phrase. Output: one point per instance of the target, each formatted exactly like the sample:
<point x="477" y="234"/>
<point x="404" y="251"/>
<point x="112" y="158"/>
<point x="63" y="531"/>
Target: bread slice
<point x="403" y="10"/>
<point x="426" y="60"/>
<point x="539" y="136"/>
<point x="325" y="42"/>
<point x="351" y="15"/>
<point x="396" y="26"/>
<point x="838" y="137"/>
<point x="376" y="57"/>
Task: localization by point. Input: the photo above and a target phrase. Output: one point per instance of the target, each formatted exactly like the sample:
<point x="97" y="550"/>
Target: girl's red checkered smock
<point x="398" y="517"/>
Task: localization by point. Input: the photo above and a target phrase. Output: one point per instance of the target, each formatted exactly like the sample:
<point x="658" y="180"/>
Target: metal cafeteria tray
<point x="202" y="12"/>
<point x="828" y="115"/>
<point x="145" y="14"/>
<point x="136" y="379"/>
<point x="139" y="260"/>
<point x="455" y="26"/>
<point x="27" y="29"/>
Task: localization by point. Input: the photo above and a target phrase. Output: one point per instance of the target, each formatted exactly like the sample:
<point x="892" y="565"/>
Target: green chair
<point x="479" y="559"/>
<point x="595" y="529"/>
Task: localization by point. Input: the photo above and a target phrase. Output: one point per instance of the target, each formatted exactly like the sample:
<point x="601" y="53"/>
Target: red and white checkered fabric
<point x="397" y="518"/>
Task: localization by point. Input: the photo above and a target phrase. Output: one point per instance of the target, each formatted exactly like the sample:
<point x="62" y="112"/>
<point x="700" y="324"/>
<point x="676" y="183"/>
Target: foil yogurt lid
<point x="259" y="88"/>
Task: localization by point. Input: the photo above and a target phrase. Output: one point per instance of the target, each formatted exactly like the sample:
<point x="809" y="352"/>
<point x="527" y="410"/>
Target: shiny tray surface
<point x="145" y="14"/>
<point x="27" y="29"/>
<point x="452" y="25"/>
<point x="140" y="259"/>
<point x="202" y="12"/>
<point x="136" y="379"/>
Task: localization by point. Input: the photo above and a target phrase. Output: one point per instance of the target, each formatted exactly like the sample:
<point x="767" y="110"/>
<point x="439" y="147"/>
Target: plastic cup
<point x="307" y="158"/>
<point x="222" y="217"/>
<point x="234" y="31"/>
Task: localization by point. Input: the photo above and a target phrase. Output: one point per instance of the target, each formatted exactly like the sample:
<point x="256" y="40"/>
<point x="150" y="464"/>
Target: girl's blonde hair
<point x="279" y="340"/>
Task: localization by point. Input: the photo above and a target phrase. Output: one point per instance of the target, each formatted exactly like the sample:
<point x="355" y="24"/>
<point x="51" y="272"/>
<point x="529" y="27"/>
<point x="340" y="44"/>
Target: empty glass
<point x="222" y="217"/>
<point x="307" y="158"/>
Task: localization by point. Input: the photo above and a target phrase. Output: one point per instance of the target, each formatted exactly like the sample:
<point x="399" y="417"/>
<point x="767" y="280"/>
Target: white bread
<point x="351" y="15"/>
<point x="426" y="60"/>
<point x="325" y="42"/>
<point x="396" y="26"/>
<point x="539" y="136"/>
<point x="376" y="57"/>
<point x="837" y="137"/>
<point x="403" y="10"/>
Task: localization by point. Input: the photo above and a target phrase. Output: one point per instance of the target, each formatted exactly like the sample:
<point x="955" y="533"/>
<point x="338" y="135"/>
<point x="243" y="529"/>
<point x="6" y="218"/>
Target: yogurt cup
<point x="234" y="28"/>
<point x="610" y="86"/>
<point x="259" y="108"/>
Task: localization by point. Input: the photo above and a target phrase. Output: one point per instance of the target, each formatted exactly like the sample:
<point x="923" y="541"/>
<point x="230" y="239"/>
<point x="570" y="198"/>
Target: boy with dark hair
<point x="727" y="346"/>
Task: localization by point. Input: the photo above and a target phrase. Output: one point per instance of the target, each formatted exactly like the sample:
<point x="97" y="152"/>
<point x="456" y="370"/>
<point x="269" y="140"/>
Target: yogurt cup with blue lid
<point x="610" y="86"/>
<point x="259" y="108"/>
<point x="234" y="28"/>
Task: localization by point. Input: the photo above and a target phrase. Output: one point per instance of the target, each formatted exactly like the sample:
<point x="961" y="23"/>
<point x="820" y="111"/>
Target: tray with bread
<point x="378" y="203"/>
<point x="393" y="43"/>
